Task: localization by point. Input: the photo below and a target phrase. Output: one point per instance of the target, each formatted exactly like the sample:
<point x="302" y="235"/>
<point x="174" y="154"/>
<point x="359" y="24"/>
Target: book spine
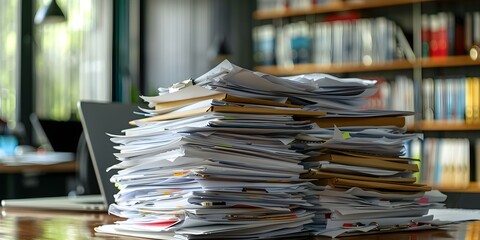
<point x="442" y="41"/>
<point x="459" y="36"/>
<point x="451" y="34"/>
<point x="460" y="99"/>
<point x="476" y="29"/>
<point x="300" y="43"/>
<point x="476" y="99"/>
<point x="428" y="99"/>
<point x="337" y="40"/>
<point x="425" y="36"/>
<point x="264" y="45"/>
<point x="366" y="42"/>
<point x="468" y="39"/>
<point x="439" y="107"/>
<point x="449" y="105"/>
<point x="434" y="35"/>
<point x="468" y="100"/>
<point x="477" y="160"/>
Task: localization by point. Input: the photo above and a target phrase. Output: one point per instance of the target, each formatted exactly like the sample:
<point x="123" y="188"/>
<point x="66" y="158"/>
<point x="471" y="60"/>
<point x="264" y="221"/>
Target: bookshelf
<point x="444" y="67"/>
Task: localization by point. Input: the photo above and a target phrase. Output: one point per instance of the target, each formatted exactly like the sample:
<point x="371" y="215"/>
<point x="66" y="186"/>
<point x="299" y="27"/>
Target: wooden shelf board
<point x="473" y="187"/>
<point x="450" y="61"/>
<point x="331" y="7"/>
<point x="446" y="126"/>
<point x="69" y="167"/>
<point x="333" y="68"/>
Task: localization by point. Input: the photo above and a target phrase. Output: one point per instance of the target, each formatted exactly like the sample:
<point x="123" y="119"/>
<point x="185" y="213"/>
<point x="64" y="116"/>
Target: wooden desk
<point x="66" y="167"/>
<point x="35" y="224"/>
<point x="14" y="184"/>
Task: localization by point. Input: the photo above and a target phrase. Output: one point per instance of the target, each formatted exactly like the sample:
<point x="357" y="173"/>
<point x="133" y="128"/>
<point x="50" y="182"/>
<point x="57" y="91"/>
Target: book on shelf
<point x="300" y="4"/>
<point x="283" y="5"/>
<point x="476" y="28"/>
<point x="283" y="49"/>
<point x="404" y="48"/>
<point x="472" y="99"/>
<point x="460" y="103"/>
<point x="366" y="41"/>
<point x="428" y="99"/>
<point x="425" y="35"/>
<point x="396" y="94"/>
<point x="300" y="42"/>
<point x="336" y="40"/>
<point x="272" y="5"/>
<point x="475" y="99"/>
<point x="477" y="160"/>
<point x="448" y="34"/>
<point x="468" y="28"/>
<point x="451" y="99"/>
<point x="446" y="162"/>
<point x="264" y="44"/>
<point x="322" y="44"/>
<point x="413" y="150"/>
<point x="442" y="35"/>
<point x="403" y="96"/>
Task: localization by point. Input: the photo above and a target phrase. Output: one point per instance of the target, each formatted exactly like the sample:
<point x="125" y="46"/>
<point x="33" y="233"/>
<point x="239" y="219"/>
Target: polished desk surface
<point x="38" y="224"/>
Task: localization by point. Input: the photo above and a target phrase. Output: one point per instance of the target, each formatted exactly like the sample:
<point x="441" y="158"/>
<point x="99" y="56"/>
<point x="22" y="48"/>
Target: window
<point x="73" y="58"/>
<point x="9" y="37"/>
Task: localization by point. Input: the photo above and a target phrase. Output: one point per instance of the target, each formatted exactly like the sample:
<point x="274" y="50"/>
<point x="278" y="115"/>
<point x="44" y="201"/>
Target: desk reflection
<point x="52" y="225"/>
<point x="34" y="224"/>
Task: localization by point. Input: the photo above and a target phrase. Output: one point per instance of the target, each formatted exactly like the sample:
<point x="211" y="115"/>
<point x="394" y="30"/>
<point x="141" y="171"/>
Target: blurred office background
<point x="117" y="50"/>
<point x="109" y="50"/>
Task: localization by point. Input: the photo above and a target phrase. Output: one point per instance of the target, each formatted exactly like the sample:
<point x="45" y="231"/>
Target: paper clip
<point x="412" y="223"/>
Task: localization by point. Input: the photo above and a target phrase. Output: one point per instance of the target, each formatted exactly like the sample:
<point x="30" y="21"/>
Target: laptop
<point x="58" y="136"/>
<point x="97" y="119"/>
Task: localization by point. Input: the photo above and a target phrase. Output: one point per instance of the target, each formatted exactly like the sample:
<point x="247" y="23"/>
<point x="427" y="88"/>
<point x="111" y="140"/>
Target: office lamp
<point x="50" y="13"/>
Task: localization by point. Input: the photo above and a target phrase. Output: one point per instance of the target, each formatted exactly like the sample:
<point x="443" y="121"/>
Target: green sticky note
<point x="345" y="135"/>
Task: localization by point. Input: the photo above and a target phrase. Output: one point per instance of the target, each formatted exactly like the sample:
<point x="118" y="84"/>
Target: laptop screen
<point x="58" y="136"/>
<point x="98" y="119"/>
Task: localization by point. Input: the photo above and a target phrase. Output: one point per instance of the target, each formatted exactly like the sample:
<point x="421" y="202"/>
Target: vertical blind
<point x="9" y="52"/>
<point x="73" y="58"/>
<point x="179" y="37"/>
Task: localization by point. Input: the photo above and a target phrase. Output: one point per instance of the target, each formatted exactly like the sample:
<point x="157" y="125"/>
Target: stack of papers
<point x="236" y="154"/>
<point x="369" y="187"/>
<point x="175" y="180"/>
